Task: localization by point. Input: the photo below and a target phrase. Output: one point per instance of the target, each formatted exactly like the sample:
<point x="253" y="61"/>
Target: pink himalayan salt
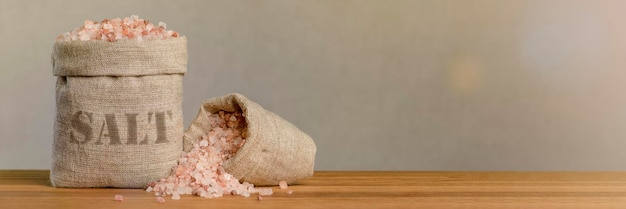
<point x="200" y="171"/>
<point x="289" y="191"/>
<point x="265" y="191"/>
<point x="160" y="199"/>
<point x="259" y="198"/>
<point x="283" y="184"/>
<point x="119" y="198"/>
<point x="119" y="29"/>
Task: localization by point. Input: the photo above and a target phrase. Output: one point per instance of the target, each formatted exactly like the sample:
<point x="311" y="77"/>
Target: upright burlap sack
<point x="275" y="149"/>
<point x="119" y="116"/>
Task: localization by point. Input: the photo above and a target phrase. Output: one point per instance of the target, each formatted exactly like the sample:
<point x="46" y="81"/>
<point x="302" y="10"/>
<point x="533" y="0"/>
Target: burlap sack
<point x="119" y="116"/>
<point x="275" y="149"/>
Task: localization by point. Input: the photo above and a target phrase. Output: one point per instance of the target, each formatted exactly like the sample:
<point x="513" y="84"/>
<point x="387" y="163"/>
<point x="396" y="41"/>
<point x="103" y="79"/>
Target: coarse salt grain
<point x="200" y="170"/>
<point x="119" y="29"/>
<point x="204" y="143"/>
<point x="119" y="198"/>
<point x="160" y="199"/>
<point x="289" y="191"/>
<point x="265" y="191"/>
<point x="259" y="198"/>
<point x="283" y="184"/>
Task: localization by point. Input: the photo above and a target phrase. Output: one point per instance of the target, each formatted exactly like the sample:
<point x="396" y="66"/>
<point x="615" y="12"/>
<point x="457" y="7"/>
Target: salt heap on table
<point x="200" y="171"/>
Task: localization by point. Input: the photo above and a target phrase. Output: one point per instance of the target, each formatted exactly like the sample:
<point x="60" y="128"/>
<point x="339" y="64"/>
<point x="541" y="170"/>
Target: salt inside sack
<point x="119" y="29"/>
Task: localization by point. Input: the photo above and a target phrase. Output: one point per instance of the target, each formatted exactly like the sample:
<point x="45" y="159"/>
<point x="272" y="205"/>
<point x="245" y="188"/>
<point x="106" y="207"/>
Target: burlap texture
<point x="275" y="149"/>
<point x="119" y="119"/>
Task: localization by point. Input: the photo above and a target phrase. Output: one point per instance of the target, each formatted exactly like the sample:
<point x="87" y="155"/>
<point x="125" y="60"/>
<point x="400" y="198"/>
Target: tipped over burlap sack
<point x="275" y="150"/>
<point x="119" y="120"/>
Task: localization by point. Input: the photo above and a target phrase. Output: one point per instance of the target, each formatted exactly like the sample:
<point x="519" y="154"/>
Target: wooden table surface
<point x="329" y="190"/>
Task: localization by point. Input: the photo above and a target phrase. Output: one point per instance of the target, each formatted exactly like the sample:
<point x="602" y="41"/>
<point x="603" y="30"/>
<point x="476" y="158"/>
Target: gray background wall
<point x="379" y="85"/>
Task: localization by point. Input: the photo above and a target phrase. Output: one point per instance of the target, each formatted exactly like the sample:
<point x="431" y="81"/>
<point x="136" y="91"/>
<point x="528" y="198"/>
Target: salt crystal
<point x="119" y="198"/>
<point x="265" y="191"/>
<point x="212" y="139"/>
<point x="204" y="143"/>
<point x="289" y="191"/>
<point x="85" y="37"/>
<point x="245" y="194"/>
<point x="283" y="184"/>
<point x="149" y="27"/>
<point x="149" y="189"/>
<point x="160" y="199"/>
<point x="119" y="36"/>
<point x="180" y="170"/>
<point x="175" y="197"/>
<point x="259" y="197"/>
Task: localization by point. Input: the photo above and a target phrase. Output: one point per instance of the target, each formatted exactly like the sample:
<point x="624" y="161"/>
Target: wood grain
<point x="30" y="189"/>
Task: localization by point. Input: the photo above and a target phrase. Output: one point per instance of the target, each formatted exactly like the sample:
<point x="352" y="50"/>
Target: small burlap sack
<point x="274" y="151"/>
<point x="119" y="116"/>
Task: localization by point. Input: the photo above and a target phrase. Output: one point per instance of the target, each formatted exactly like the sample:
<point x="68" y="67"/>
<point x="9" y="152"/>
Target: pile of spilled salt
<point x="118" y="29"/>
<point x="200" y="171"/>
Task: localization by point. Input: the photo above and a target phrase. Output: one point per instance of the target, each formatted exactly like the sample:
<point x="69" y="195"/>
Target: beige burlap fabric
<point x="275" y="149"/>
<point x="119" y="116"/>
